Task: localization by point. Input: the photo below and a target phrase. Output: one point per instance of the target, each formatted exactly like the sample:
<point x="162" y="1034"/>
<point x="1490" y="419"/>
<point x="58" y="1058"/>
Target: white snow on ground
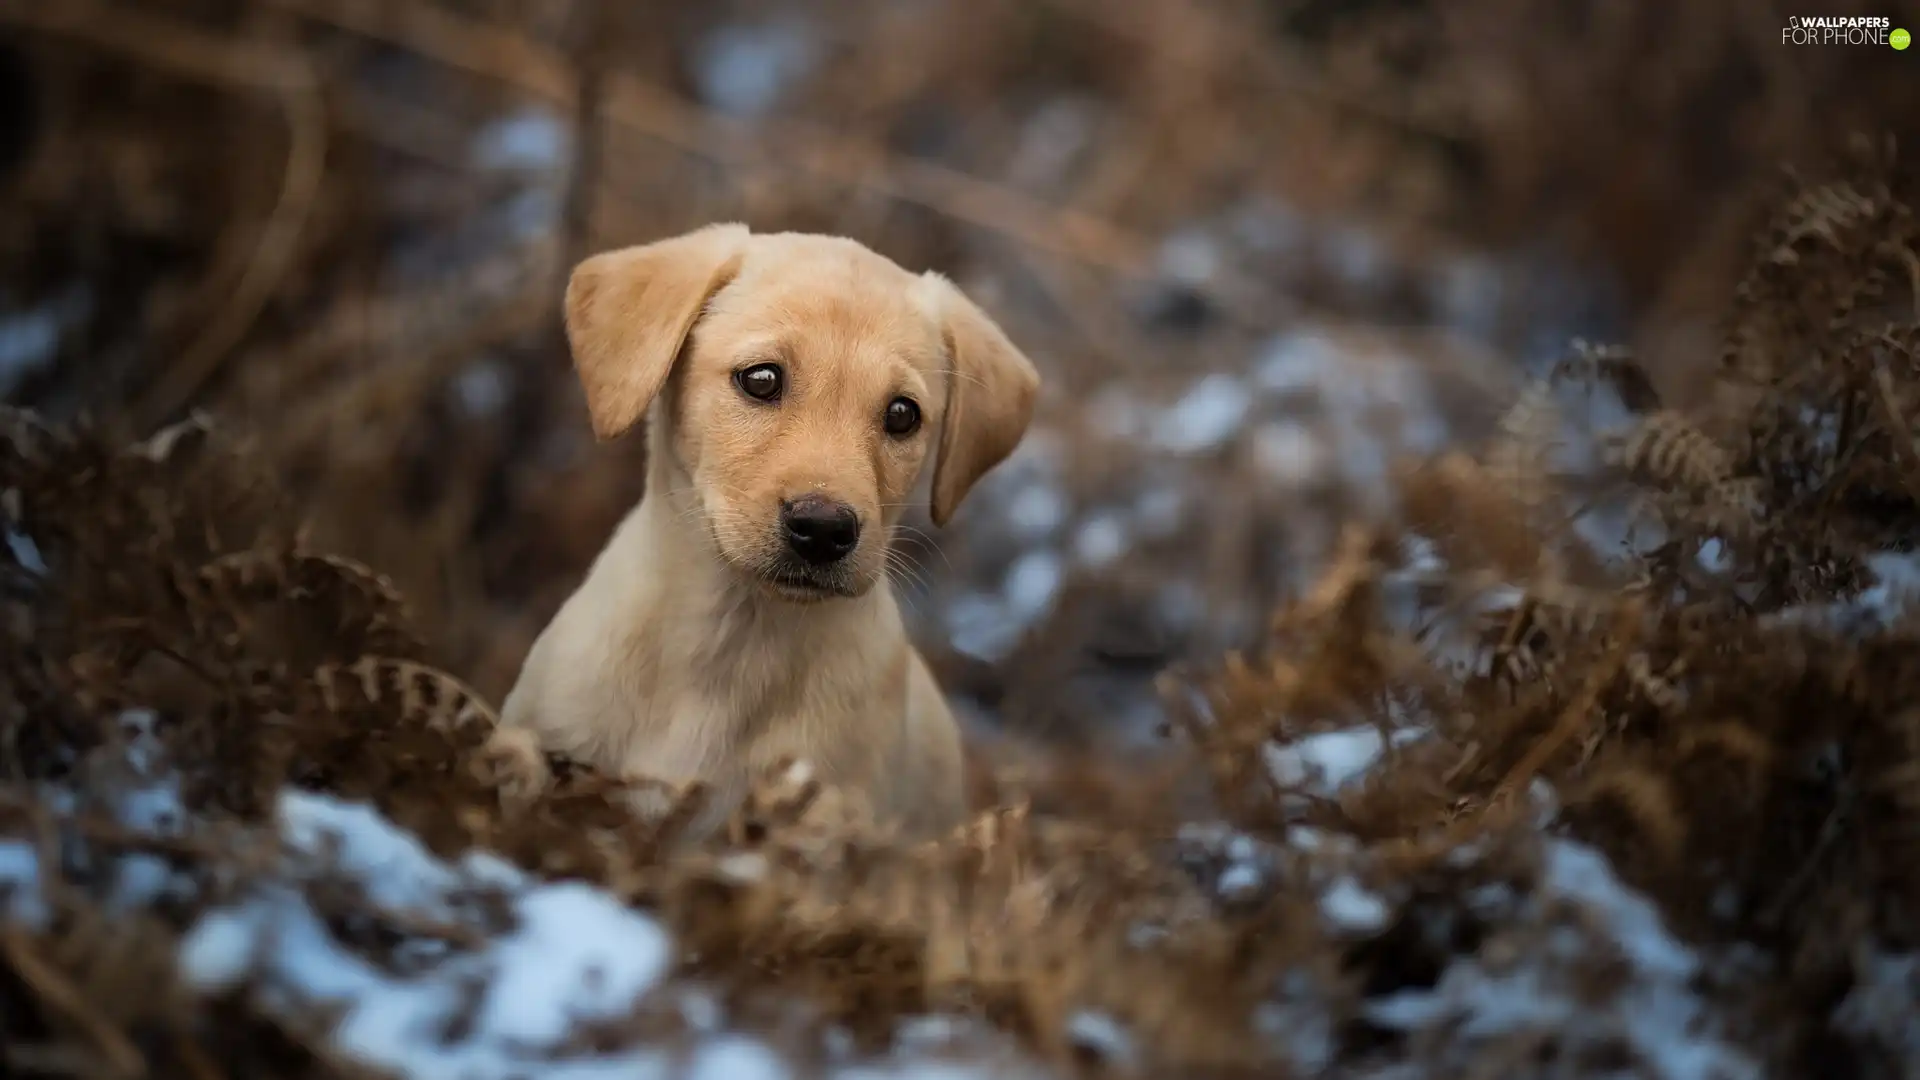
<point x="20" y="884"/>
<point x="1897" y="589"/>
<point x="1031" y="584"/>
<point x="1190" y="256"/>
<point x="1288" y="454"/>
<point x="981" y="624"/>
<point x="1205" y="418"/>
<point x="577" y="954"/>
<point x="25" y="552"/>
<point x="534" y="138"/>
<point x="1881" y="1004"/>
<point x="483" y="388"/>
<point x="1325" y="762"/>
<point x="1297" y="362"/>
<point x="29" y="340"/>
<point x="1576" y="908"/>
<point x="1895" y="594"/>
<point x="1142" y="467"/>
<point x="735" y="1057"/>
<point x="1658" y="1015"/>
<point x="1038" y="511"/>
<point x="1468" y="291"/>
<point x="1101" y="539"/>
<point x="1100" y="1035"/>
<point x="1352" y="908"/>
<point x="744" y="69"/>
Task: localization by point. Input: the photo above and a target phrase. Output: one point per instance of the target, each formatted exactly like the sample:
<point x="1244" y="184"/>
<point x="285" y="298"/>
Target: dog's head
<point x="802" y="382"/>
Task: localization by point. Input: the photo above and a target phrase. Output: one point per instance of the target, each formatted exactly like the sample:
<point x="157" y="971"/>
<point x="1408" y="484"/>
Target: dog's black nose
<point x="820" y="530"/>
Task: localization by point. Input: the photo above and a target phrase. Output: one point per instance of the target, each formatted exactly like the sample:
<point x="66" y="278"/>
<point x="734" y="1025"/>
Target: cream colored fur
<point x="687" y="653"/>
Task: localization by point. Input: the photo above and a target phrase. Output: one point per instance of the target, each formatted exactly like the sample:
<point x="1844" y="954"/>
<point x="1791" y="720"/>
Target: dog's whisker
<point x="966" y="377"/>
<point x="929" y="542"/>
<point x="896" y="563"/>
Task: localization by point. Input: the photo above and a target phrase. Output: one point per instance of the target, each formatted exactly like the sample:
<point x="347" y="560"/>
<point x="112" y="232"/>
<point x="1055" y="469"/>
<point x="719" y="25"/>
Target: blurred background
<point x="1256" y="247"/>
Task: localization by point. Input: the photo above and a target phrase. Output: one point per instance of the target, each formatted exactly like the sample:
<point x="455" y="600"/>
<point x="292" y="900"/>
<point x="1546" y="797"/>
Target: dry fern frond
<point x="1519" y="461"/>
<point x="1666" y="449"/>
<point x="1638" y="798"/>
<point x="369" y="606"/>
<point x="1893" y="781"/>
<point x="420" y="694"/>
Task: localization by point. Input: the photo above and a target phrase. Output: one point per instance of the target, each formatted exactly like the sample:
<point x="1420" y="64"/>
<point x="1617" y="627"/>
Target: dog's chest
<point x="710" y="700"/>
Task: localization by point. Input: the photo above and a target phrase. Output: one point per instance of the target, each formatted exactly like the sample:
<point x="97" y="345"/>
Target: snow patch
<point x="1296" y="363"/>
<point x="1287" y="453"/>
<point x="530" y="139"/>
<point x="1468" y="292"/>
<point x="576" y="954"/>
<point x="1355" y="255"/>
<point x="1327" y="761"/>
<point x="1657" y="1013"/>
<point x="1190" y="257"/>
<point x="1882" y="1004"/>
<point x="20" y="884"/>
<point x="733" y="1057"/>
<point x="30" y="340"/>
<point x="1037" y="511"/>
<point x="1101" y="1035"/>
<point x="981" y="625"/>
<point x="481" y="389"/>
<point x="1031" y="584"/>
<point x="1354" y="909"/>
<point x="1100" y="540"/>
<point x="744" y="69"/>
<point x="1205" y="418"/>
<point x="1159" y="512"/>
<point x="26" y="552"/>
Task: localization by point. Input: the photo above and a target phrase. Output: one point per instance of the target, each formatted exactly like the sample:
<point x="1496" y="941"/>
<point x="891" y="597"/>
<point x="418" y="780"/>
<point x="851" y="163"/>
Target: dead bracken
<point x="1576" y="813"/>
<point x="1589" y="746"/>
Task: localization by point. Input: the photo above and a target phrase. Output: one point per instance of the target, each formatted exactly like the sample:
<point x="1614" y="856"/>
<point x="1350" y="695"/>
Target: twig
<point x="1625" y="626"/>
<point x="594" y="40"/>
<point x="1831" y="828"/>
<point x="628" y="102"/>
<point x="1517" y="624"/>
<point x="1899" y="430"/>
<point x="1467" y="757"/>
<point x="509" y="315"/>
<point x="1276" y="66"/>
<point x="162" y="43"/>
<point x="273" y="255"/>
<point x="413" y="323"/>
<point x="59" y="994"/>
<point x="191" y="54"/>
<point x="50" y="1059"/>
<point x="500" y="54"/>
<point x="1089" y="312"/>
<point x="195" y="1060"/>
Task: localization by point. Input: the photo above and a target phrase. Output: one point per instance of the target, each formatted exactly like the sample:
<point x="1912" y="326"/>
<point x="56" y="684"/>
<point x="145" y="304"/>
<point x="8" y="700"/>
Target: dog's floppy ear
<point x="628" y="313"/>
<point x="991" y="386"/>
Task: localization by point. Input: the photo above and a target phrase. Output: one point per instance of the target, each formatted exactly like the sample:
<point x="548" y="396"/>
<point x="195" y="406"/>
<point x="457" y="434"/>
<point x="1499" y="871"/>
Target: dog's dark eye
<point x="903" y="417"/>
<point x="761" y="382"/>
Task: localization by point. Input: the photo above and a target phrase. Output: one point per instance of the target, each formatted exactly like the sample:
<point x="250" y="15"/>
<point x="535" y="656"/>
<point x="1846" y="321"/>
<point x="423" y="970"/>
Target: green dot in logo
<point x="1899" y="39"/>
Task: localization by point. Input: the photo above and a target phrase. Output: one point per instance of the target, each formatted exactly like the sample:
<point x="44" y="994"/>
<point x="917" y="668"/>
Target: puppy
<point x="794" y="387"/>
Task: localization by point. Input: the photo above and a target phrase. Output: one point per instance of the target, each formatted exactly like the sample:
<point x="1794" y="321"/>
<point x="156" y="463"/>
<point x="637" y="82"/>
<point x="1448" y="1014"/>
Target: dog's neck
<point x="757" y="656"/>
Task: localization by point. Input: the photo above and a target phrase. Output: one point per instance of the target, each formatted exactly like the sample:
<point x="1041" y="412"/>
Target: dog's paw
<point x="513" y="761"/>
<point x="649" y="799"/>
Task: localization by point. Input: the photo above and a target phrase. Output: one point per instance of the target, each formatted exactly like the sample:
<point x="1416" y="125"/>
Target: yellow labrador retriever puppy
<point x="794" y="386"/>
